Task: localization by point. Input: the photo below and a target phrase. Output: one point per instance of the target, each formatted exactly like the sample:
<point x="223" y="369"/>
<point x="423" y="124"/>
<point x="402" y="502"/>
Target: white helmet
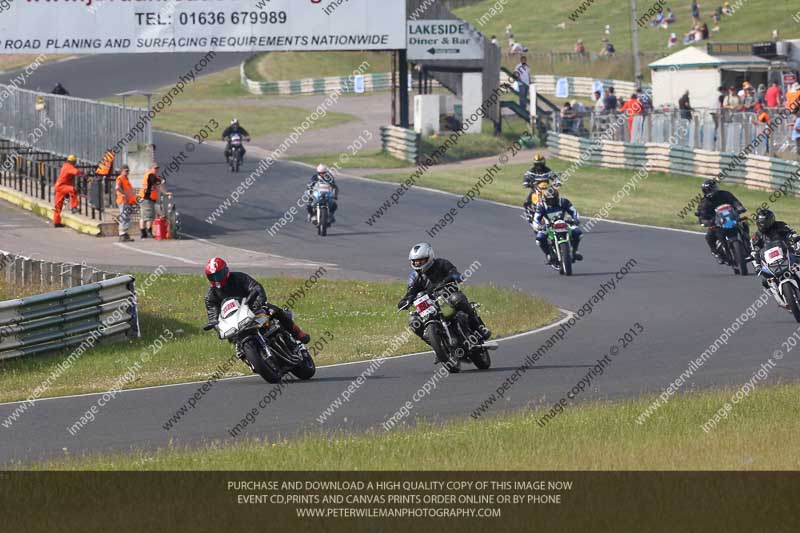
<point x="235" y="122"/>
<point x="421" y="256"/>
<point x="322" y="169"/>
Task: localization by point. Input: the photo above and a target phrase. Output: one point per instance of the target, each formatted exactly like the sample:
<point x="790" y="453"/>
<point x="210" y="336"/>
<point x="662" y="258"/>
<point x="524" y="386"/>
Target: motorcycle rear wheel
<point x="739" y="258"/>
<point x="260" y="366"/>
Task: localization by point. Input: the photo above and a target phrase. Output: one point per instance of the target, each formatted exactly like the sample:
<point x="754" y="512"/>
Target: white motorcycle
<point x="268" y="349"/>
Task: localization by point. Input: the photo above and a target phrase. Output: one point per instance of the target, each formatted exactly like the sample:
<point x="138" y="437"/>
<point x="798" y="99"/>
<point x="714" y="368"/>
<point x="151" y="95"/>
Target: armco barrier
<point x="344" y="84"/>
<point x="401" y="143"/>
<point x="755" y="172"/>
<point x="95" y="306"/>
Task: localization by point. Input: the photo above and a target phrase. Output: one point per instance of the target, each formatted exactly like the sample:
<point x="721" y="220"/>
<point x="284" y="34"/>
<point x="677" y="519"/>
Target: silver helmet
<point x="421" y="256"/>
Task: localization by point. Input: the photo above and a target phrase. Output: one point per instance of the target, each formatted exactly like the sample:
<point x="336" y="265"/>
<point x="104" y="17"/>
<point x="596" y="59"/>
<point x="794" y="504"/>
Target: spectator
<point x="517" y="48"/>
<point x="494" y="40"/>
<point x="523" y="76"/>
<point x="761" y="94"/>
<point x="704" y="31"/>
<point x="644" y="98"/>
<point x="658" y="19"/>
<point x="672" y="41"/>
<point x="772" y="97"/>
<point x="685" y="107"/>
<point x="569" y="120"/>
<point x="599" y="108"/>
<point x="579" y="47"/>
<point x="763" y="123"/>
<point x="607" y="48"/>
<point x="610" y="101"/>
<point x="726" y="9"/>
<point x="721" y="97"/>
<point x="670" y="18"/>
<point x="632" y="108"/>
<point x="796" y="132"/>
<point x="792" y="96"/>
<point x="743" y="91"/>
<point x="749" y="102"/>
<point x="508" y="31"/>
<point x="695" y="11"/>
<point x="731" y="102"/>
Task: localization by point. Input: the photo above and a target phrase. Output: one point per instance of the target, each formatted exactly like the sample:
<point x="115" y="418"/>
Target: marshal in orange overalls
<point x="65" y="185"/>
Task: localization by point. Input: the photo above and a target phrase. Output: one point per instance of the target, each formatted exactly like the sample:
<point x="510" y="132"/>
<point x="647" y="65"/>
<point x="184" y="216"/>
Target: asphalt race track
<point x="675" y="291"/>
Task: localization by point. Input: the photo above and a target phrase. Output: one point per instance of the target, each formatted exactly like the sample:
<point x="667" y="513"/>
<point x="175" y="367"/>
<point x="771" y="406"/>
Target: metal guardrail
<point x="401" y="143"/>
<point x="64" y="125"/>
<point x="757" y="172"/>
<point x="96" y="306"/>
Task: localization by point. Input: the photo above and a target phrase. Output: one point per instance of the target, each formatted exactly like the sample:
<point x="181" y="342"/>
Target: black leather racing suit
<point x="705" y="212"/>
<point x="226" y="136"/>
<point x="240" y="285"/>
<point x="440" y="272"/>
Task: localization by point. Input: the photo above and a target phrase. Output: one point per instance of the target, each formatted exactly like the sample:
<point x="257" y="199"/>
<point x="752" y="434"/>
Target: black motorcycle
<point x="733" y="244"/>
<point x="266" y="347"/>
<point x="448" y="331"/>
<point x="236" y="152"/>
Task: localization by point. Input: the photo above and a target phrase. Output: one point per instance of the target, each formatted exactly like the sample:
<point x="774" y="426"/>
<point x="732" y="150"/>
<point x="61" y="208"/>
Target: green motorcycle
<point x="559" y="236"/>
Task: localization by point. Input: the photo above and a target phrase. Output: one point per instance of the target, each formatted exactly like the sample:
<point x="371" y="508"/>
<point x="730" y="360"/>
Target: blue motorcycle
<point x="778" y="264"/>
<point x="321" y="206"/>
<point x="733" y="244"/>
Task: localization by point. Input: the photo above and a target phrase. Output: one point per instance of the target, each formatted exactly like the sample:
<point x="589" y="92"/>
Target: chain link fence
<point x="63" y="125"/>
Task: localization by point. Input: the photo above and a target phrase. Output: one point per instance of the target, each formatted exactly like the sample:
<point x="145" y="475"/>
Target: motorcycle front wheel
<point x="434" y="333"/>
<point x="566" y="259"/>
<point x="791" y="296"/>
<point x="306" y="369"/>
<point x="258" y="364"/>
<point x="739" y="258"/>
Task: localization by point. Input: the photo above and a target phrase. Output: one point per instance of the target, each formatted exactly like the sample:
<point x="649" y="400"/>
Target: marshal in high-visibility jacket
<point x="150" y="185"/>
<point x="106" y="166"/>
<point x="125" y="192"/>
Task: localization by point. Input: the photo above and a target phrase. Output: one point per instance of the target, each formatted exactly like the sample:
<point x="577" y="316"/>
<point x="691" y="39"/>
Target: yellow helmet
<point x="539" y="158"/>
<point x="71" y="158"/>
<point x="543" y="185"/>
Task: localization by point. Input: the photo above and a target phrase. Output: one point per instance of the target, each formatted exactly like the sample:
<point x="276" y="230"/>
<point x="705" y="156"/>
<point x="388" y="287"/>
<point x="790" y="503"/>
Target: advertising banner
<point x="118" y="26"/>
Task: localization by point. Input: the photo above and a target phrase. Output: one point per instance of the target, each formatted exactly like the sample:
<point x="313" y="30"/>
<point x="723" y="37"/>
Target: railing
<point x="401" y="143"/>
<point x="757" y="172"/>
<point x="706" y="129"/>
<point x="94" y="308"/>
<point x="343" y="84"/>
<point x="63" y="125"/>
<point x="34" y="173"/>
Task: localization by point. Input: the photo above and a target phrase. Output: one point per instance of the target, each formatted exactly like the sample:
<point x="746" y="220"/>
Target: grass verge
<point x="361" y="317"/>
<point x="757" y="435"/>
<point x="656" y="200"/>
<point x="220" y="97"/>
<point x="299" y="65"/>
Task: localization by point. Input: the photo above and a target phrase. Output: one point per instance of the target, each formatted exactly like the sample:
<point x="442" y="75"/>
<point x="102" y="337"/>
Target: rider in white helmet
<point x="323" y="174"/>
<point x="428" y="272"/>
<point x="230" y="130"/>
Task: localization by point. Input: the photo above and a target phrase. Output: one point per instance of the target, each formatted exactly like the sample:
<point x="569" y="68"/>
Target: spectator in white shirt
<point x="599" y="108"/>
<point x="523" y="76"/>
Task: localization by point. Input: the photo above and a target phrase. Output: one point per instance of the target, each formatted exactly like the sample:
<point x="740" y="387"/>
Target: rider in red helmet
<point x="226" y="284"/>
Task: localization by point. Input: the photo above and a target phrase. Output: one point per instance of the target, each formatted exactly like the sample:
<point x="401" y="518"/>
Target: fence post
<point x="75" y="275"/>
<point x="26" y="271"/>
<point x="36" y="272"/>
<point x="64" y="275"/>
<point x="17" y="279"/>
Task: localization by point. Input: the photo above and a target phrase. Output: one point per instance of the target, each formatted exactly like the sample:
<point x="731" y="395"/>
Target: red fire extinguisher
<point x="160" y="228"/>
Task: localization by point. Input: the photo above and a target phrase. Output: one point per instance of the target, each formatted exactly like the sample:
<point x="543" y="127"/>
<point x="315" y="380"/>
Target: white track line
<point x="297" y="262"/>
<point x="568" y="314"/>
<point x="157" y="254"/>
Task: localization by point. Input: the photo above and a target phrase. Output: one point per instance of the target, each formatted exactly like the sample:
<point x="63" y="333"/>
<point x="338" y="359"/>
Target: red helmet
<point x="217" y="272"/>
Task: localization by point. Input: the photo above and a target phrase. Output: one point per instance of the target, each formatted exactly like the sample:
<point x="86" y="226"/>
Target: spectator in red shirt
<point x="773" y="95"/>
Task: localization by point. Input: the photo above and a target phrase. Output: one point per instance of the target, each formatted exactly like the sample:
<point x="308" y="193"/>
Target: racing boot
<point x="300" y="335"/>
